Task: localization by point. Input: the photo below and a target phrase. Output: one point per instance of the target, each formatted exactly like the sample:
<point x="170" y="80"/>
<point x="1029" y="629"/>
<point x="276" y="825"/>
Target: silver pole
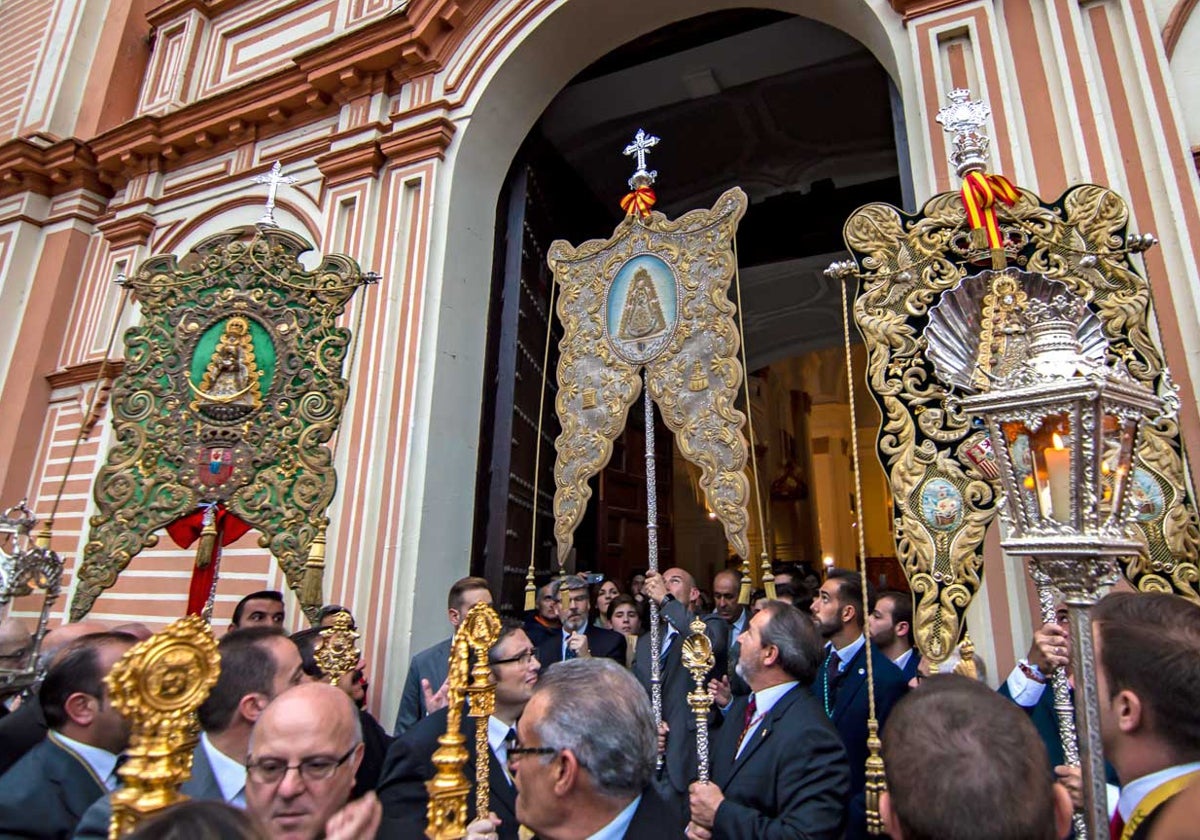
<point x="652" y="560"/>
<point x="1064" y="711"/>
<point x="1087" y="718"/>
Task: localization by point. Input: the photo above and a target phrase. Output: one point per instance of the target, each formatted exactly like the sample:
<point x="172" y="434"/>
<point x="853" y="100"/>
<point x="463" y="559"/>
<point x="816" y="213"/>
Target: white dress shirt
<point x="1137" y="790"/>
<point x="737" y="628"/>
<point x="903" y="659"/>
<point x="764" y="701"/>
<point x="230" y="774"/>
<point x="498" y="732"/>
<point x="1024" y="692"/>
<point x="101" y="762"/>
<point x="616" y="829"/>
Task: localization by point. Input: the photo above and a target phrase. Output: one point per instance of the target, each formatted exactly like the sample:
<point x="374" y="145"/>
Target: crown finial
<point x="965" y="119"/>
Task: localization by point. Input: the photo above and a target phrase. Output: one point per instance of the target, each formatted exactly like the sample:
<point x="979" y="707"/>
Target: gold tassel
<point x="999" y="259"/>
<point x="208" y="539"/>
<point x="42" y="540"/>
<point x="768" y="578"/>
<point x="311" y="591"/>
<point x="979" y="240"/>
<point x="530" y="592"/>
<point x="876" y="778"/>
<point x="967" y="667"/>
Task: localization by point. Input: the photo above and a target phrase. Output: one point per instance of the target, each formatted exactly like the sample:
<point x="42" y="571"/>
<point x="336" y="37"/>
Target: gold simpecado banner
<point x="654" y="296"/>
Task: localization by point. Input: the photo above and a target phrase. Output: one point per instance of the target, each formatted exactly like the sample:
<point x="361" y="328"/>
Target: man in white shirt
<point x="45" y="793"/>
<point x="1148" y="675"/>
<point x="891" y="630"/>
<point x="257" y="664"/>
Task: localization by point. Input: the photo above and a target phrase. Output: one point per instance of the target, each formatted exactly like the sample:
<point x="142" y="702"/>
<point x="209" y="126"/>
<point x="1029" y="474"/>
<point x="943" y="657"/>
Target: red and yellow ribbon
<point x="980" y="192"/>
<point x="639" y="201"/>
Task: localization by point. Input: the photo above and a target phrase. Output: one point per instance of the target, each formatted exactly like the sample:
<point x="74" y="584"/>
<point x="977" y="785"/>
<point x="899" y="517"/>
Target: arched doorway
<point x="801" y="116"/>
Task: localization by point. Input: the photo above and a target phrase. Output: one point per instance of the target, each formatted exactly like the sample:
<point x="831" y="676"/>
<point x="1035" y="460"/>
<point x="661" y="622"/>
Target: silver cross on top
<point x="272" y="179"/>
<point x="639" y="148"/>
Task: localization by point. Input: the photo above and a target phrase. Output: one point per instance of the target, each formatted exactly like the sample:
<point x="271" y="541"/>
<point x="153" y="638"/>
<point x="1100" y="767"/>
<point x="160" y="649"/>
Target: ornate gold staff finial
<point x="697" y="656"/>
<point x="336" y="654"/>
<point x="157" y="686"/>
<point x="446" y="818"/>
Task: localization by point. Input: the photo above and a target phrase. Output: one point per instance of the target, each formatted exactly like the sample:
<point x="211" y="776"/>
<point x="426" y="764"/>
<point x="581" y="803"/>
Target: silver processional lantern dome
<point x="27" y="569"/>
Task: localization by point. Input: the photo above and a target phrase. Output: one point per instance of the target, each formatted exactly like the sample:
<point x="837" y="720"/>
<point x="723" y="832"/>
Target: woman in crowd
<point x="604" y="597"/>
<point x="624" y="617"/>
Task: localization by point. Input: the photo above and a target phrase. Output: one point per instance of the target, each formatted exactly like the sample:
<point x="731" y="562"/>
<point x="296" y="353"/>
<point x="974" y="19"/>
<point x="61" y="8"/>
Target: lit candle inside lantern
<point x="1058" y="477"/>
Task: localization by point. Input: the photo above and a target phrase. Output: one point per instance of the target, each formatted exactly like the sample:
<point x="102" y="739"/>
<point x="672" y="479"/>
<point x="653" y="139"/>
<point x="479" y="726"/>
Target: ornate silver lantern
<point x="1063" y="421"/>
<point x="26" y="568"/>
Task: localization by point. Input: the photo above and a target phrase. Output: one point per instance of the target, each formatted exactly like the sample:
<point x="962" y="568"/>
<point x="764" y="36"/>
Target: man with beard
<point x="579" y="637"/>
<point x="841" y="685"/>
<point x="583" y="759"/>
<point x="543" y="622"/>
<point x="891" y="631"/>
<point x="673" y="590"/>
<point x="409" y="764"/>
<point x="778" y="765"/>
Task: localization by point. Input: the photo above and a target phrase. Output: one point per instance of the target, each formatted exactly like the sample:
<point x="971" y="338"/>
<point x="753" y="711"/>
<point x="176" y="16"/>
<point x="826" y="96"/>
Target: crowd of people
<point x="574" y="751"/>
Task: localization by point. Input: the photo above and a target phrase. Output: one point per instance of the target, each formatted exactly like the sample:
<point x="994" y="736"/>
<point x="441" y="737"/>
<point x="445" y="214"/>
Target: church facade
<point x="136" y="127"/>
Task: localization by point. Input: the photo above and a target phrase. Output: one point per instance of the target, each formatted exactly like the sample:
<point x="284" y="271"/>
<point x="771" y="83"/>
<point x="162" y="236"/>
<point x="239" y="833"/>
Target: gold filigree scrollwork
<point x="158" y="686"/>
<point x="449" y="789"/>
<point x="932" y="452"/>
<point x="653" y="295"/>
<point x="231" y="391"/>
<point x="336" y="653"/>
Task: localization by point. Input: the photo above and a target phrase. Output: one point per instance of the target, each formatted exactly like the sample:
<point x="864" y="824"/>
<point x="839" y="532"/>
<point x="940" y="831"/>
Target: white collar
<point x="739" y="623"/>
<point x="850" y="651"/>
<point x="230" y="774"/>
<point x="619" y="826"/>
<point x="101" y="762"/>
<point x="582" y="631"/>
<point x="1133" y="793"/>
<point x="498" y="735"/>
<point x="904" y="658"/>
<point x="766" y="699"/>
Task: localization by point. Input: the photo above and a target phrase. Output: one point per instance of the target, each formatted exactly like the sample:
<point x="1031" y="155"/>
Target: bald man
<point x="304" y="752"/>
<point x="26" y="727"/>
<point x="675" y="592"/>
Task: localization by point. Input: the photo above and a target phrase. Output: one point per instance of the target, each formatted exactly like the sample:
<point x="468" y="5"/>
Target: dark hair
<point x="1150" y="645"/>
<point x="265" y="595"/>
<point x="902" y="607"/>
<point x="333" y="609"/>
<point x="795" y="636"/>
<point x="508" y="626"/>
<point x="850" y="591"/>
<point x="200" y="819"/>
<point x="461" y="587"/>
<point x="247" y="667"/>
<point x="621" y="601"/>
<point x="306" y="640"/>
<point x="784" y="590"/>
<point x="77" y="669"/>
<point x="978" y="754"/>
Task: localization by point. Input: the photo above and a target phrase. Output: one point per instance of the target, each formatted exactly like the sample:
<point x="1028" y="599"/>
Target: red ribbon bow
<point x="186" y="530"/>
<point x="980" y="192"/>
<point x="639" y="201"/>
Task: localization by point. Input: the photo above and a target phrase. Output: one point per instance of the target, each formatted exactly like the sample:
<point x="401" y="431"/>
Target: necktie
<point x="751" y="711"/>
<point x="568" y="653"/>
<point x="509" y="740"/>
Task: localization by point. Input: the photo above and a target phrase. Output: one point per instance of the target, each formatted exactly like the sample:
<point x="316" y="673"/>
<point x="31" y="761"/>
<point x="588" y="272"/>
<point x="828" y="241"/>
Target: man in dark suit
<point x="841" y="684"/>
<point x="409" y="763"/>
<point x="579" y="637"/>
<point x="963" y="763"/>
<point x="891" y="631"/>
<point x="1029" y="683"/>
<point x="257" y="665"/>
<point x="727" y="587"/>
<point x="778" y="766"/>
<point x="584" y="758"/>
<point x="673" y="591"/>
<point x="45" y="793"/>
<point x="425" y="685"/>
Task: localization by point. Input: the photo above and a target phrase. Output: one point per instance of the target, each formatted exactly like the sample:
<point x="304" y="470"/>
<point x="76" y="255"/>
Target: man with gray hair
<point x="779" y="768"/>
<point x="584" y="758"/>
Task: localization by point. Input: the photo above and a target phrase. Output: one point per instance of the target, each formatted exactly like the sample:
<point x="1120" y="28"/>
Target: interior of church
<point x="809" y="135"/>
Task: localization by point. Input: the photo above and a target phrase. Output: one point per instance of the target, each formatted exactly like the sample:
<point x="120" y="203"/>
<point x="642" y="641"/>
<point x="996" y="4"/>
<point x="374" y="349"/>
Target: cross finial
<point x="272" y="179"/>
<point x="639" y="148"/>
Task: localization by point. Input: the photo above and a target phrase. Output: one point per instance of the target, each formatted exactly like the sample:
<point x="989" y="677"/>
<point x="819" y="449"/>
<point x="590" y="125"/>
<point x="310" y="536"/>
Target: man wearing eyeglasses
<point x="409" y="765"/>
<point x="304" y="752"/>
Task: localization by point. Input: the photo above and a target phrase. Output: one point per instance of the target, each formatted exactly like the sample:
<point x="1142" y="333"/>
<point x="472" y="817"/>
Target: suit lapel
<point x="850" y="683"/>
<point x="203" y="782"/>
<point x="756" y="738"/>
<point x="503" y="792"/>
<point x="79" y="783"/>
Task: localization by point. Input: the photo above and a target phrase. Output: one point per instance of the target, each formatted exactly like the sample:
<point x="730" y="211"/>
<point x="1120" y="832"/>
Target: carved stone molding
<point x="130" y="230"/>
<point x="910" y="9"/>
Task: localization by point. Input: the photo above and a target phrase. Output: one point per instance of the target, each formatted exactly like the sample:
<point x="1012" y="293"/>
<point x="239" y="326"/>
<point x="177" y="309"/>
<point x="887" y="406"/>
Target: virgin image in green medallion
<point x="642" y="308"/>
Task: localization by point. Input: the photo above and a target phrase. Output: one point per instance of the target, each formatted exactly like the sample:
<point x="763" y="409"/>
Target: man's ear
<point x="454" y="616"/>
<point x="1129" y="712"/>
<point x="568" y="773"/>
<point x="891" y="823"/>
<point x="903" y="629"/>
<point x="849" y="611"/>
<point x="770" y="655"/>
<point x="81" y="708"/>
<point x="251" y="706"/>
<point x="1063" y="809"/>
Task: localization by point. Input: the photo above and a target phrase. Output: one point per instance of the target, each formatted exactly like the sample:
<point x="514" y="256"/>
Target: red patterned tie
<point x="751" y="711"/>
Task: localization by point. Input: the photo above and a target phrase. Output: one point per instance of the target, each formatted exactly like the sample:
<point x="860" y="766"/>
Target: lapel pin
<point x="861" y="671"/>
